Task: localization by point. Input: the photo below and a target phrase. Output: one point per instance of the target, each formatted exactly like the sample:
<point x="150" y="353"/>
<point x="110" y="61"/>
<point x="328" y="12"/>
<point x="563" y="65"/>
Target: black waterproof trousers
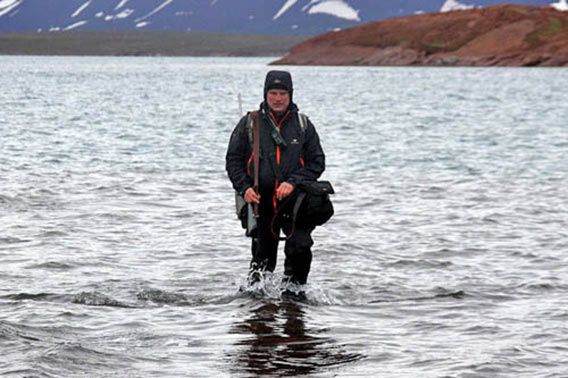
<point x="297" y="248"/>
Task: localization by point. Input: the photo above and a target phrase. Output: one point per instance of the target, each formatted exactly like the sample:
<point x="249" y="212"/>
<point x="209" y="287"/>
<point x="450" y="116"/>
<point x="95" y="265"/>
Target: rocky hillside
<point x="495" y="36"/>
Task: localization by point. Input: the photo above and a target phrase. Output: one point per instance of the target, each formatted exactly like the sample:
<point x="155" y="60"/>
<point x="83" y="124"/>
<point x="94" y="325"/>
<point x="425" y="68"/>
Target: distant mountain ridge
<point x="276" y="17"/>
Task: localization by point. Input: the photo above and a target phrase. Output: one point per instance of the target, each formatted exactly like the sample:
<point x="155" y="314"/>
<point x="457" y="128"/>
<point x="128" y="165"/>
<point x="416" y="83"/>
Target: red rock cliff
<point x="504" y="35"/>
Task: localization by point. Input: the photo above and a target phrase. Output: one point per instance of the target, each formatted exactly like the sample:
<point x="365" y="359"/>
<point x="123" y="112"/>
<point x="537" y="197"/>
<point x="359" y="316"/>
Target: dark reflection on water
<point x="278" y="342"/>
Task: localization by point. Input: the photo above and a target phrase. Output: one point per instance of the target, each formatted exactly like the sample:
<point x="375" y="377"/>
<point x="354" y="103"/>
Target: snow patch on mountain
<point x="337" y="8"/>
<point x="75" y="25"/>
<point x="121" y="4"/>
<point x="289" y="4"/>
<point x="156" y="10"/>
<point x="452" y="5"/>
<point x="8" y="5"/>
<point x="80" y="9"/>
<point x="561" y="5"/>
<point x="124" y="14"/>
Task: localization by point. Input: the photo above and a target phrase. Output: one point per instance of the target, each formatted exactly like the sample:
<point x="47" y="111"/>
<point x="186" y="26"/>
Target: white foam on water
<point x="271" y="287"/>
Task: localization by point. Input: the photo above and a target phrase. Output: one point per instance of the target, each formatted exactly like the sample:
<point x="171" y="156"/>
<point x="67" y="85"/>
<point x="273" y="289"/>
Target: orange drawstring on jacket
<point x="278" y="155"/>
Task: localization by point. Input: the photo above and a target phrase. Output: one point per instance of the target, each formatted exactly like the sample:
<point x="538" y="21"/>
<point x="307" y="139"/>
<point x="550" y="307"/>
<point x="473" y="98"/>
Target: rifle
<point x="252" y="210"/>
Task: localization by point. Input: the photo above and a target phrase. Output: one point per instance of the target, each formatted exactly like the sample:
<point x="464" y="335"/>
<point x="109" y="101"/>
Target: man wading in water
<point x="290" y="155"/>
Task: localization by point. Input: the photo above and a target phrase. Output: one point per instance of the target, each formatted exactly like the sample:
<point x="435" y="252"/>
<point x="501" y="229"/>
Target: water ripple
<point x="120" y="250"/>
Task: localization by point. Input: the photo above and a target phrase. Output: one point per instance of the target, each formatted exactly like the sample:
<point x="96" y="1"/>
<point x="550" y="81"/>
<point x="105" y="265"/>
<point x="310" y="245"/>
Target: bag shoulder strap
<point x="297" y="205"/>
<point x="249" y="125"/>
<point x="303" y="122"/>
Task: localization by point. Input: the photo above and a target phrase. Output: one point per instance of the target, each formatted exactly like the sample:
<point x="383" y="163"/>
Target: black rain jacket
<point x="301" y="146"/>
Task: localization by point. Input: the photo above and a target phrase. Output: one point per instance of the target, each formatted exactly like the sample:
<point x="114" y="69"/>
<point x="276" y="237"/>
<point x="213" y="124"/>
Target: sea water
<point x="121" y="255"/>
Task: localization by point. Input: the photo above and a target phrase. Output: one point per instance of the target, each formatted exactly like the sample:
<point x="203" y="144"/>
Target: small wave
<point x="94" y="298"/>
<point x="6" y="199"/>
<point x="480" y="329"/>
<point x="527" y="255"/>
<point x="29" y="296"/>
<point x="73" y="358"/>
<point x="560" y="315"/>
<point x="54" y="265"/>
<point x="12" y="240"/>
<point x="158" y="205"/>
<point x="49" y="192"/>
<point x="11" y="330"/>
<point x="123" y="217"/>
<point x="422" y="263"/>
<point x="24" y="372"/>
<point x="55" y="233"/>
<point x="439" y="253"/>
<point x="539" y="287"/>
<point x="161" y="296"/>
<point x="318" y="295"/>
<point x="459" y="294"/>
<point x="13" y="202"/>
<point x="433" y="189"/>
<point x="490" y="219"/>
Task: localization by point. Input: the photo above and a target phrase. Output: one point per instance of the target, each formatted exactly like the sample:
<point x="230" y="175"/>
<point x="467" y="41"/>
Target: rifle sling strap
<point x="256" y="152"/>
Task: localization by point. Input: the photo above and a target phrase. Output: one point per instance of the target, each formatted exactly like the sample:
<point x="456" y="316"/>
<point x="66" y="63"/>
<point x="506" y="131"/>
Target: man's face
<point x="278" y="100"/>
